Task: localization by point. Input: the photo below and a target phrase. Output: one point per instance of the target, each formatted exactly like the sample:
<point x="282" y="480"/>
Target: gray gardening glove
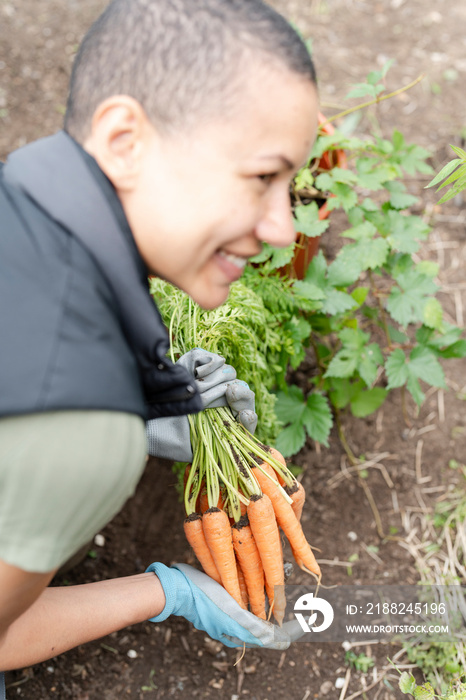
<point x="191" y="594"/>
<point x="218" y="386"/>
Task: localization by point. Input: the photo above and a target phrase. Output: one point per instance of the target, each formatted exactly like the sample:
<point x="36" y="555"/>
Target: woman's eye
<point x="266" y="178"/>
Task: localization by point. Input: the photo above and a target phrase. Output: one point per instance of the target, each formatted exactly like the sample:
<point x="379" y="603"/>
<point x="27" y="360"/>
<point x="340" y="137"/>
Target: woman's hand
<point x="217" y="384"/>
<point x="191" y="594"/>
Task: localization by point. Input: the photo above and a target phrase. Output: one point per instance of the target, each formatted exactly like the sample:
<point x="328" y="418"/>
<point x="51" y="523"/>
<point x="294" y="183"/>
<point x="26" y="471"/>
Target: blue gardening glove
<point x="218" y="386"/>
<point x="191" y="594"/>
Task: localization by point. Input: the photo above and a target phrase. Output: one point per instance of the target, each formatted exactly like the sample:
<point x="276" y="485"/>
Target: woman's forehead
<point x="277" y="109"/>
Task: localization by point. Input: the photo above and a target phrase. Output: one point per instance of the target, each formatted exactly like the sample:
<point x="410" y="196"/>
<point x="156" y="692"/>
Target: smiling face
<point x="204" y="202"/>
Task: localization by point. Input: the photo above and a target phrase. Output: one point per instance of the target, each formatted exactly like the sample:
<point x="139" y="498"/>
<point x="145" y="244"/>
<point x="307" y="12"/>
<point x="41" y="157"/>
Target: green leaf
<point x="386" y="66"/>
<point x="370" y="253"/>
<point x="291" y="439"/>
<point x="445" y="172"/>
<point x="344" y="176"/>
<point x="405" y="232"/>
<point x="345" y="195"/>
<point x="405" y="304"/>
<point x="290" y="405"/>
<point x="371" y="358"/>
<point x="369" y="205"/>
<point x="424" y="692"/>
<point x="450" y="335"/>
<point x="344" y="364"/>
<point x="352" y="338"/>
<point x="362" y="231"/>
<point x="375" y="253"/>
<point x="396" y="368"/>
<point x="374" y="177"/>
<point x="453" y="177"/>
<point x="355" y="356"/>
<point x="318" y="418"/>
<point x="459" y="152"/>
<point x="308" y="222"/>
<point x="368" y="401"/>
<point x="432" y="314"/>
<point x="359" y="294"/>
<point x="361" y="90"/>
<point x="308" y="290"/>
<point x="407" y="682"/>
<point x="457" y="349"/>
<point x="326" y="143"/>
<point x="339" y="393"/>
<point x="415" y="390"/>
<point x="304" y="179"/>
<point x="449" y="195"/>
<point x="414" y="160"/>
<point x="282" y="256"/>
<point x="399" y="198"/>
<point x="412" y="281"/>
<point x="424" y="365"/>
<point x="264" y="255"/>
<point x="374" y="77"/>
<point x="398" y="140"/>
<point x="317" y="270"/>
<point x="396" y="336"/>
<point x="343" y="271"/>
<point x="337" y="302"/>
<point x="429" y="268"/>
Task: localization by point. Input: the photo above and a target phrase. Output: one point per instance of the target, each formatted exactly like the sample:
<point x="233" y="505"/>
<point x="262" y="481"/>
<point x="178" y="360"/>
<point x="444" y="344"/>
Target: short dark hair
<point x="182" y="60"/>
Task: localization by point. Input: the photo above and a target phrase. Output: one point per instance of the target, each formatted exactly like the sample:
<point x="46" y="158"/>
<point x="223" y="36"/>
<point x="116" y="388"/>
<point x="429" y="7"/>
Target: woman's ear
<point x="119" y="133"/>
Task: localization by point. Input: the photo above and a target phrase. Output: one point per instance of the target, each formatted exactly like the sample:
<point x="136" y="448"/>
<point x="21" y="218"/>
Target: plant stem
<point x="383" y="315"/>
<point x="376" y="100"/>
<point x="374" y="509"/>
<point x="404" y="407"/>
<point x="341" y="434"/>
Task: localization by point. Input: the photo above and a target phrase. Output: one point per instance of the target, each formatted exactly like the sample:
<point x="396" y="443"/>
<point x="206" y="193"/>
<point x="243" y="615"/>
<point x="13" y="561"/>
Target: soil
<point x="38" y="39"/>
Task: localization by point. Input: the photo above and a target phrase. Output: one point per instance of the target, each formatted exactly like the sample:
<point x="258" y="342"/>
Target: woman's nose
<point x="276" y="225"/>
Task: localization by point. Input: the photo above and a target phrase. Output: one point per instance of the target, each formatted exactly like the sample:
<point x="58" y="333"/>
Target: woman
<point x="185" y="123"/>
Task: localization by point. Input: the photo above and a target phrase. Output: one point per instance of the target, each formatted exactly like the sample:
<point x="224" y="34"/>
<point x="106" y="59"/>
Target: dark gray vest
<point x="78" y="328"/>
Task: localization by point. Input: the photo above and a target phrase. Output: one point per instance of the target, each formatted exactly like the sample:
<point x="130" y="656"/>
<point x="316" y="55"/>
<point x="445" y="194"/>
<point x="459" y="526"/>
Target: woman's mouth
<point x="231" y="265"/>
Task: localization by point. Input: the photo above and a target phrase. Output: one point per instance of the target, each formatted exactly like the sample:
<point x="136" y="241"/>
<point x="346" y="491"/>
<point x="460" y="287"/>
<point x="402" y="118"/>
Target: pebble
<point x="132" y="654"/>
<point x="339" y="683"/>
<point x="352" y="536"/>
<point x="99" y="540"/>
<point x="212" y="646"/>
<point x="326" y="687"/>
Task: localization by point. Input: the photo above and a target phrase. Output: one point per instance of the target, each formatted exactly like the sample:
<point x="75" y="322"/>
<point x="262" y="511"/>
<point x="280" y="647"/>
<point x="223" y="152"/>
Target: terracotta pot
<point x="308" y="247"/>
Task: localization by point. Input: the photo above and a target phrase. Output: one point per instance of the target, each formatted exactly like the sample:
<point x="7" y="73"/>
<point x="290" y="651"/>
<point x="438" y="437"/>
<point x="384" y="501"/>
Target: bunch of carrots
<point x="238" y="493"/>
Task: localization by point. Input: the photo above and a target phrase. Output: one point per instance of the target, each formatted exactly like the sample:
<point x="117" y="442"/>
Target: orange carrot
<point x="277" y="455"/>
<point x="280" y="458"/>
<point x="186" y="474"/>
<point x="265" y="531"/>
<point x="249" y="559"/>
<point x="195" y="536"/>
<point x="287" y="520"/>
<point x="191" y="495"/>
<point x="242" y="585"/>
<point x="217" y="531"/>
<point x="298" y="496"/>
<point x="204" y="501"/>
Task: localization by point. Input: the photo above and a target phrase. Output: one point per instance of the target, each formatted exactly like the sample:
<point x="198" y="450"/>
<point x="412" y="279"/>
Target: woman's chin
<point x="209" y="297"/>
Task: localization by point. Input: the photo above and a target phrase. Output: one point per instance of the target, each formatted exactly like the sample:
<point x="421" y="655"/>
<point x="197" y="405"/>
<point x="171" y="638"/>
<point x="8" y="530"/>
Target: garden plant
<point x="353" y="326"/>
<point x="367" y="321"/>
